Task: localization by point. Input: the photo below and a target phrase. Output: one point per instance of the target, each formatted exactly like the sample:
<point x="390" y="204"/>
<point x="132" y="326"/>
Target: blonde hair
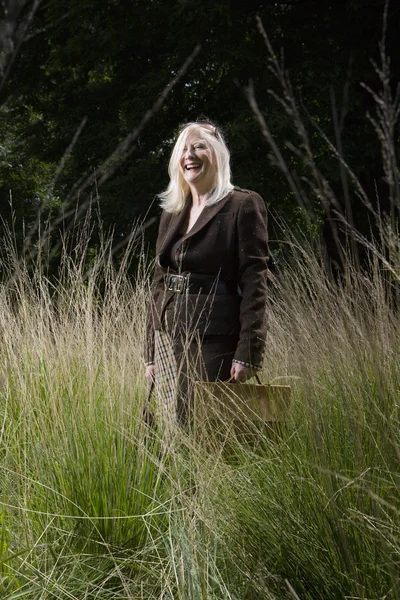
<point x="173" y="198"/>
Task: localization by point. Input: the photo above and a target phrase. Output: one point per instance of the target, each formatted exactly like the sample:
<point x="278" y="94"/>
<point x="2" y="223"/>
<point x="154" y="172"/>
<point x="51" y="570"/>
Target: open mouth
<point x="192" y="167"/>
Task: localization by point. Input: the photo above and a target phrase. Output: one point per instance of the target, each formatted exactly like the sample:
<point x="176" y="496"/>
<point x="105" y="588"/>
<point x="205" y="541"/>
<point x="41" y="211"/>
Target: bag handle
<point x="230" y="380"/>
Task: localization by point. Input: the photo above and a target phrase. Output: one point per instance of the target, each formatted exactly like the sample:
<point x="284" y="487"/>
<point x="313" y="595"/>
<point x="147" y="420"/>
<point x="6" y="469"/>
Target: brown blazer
<point x="227" y="242"/>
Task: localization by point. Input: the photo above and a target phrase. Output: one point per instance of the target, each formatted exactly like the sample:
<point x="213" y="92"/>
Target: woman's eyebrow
<point x="196" y="142"/>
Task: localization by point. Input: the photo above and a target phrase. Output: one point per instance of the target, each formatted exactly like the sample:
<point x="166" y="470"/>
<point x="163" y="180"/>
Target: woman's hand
<point x="241" y="373"/>
<point x="150" y="373"/>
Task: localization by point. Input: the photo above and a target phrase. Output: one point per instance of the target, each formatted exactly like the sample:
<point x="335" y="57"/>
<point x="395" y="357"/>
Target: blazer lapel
<point x="172" y="229"/>
<point x="206" y="215"/>
<point x="176" y="221"/>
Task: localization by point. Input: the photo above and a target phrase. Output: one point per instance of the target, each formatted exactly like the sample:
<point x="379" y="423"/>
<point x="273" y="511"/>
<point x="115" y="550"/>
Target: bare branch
<point x="318" y="183"/>
<point x="291" y="590"/>
<point x="112" y="162"/>
<point x="280" y="161"/>
<point x="126" y="147"/>
<point x="386" y="122"/>
<point x="13" y="33"/>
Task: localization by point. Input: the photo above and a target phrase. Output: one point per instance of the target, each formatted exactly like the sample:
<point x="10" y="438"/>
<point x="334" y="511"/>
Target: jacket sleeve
<point x="252" y="278"/>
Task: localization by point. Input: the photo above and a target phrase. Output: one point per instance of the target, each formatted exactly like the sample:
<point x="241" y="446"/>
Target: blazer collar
<point x="176" y="221"/>
<point x="174" y="226"/>
<point x="206" y="215"/>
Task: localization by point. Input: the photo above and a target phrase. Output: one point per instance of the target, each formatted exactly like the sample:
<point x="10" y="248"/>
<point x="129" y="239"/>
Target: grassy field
<point x="92" y="506"/>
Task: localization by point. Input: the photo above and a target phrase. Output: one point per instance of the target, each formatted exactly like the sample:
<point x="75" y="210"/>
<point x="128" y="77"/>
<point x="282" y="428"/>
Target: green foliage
<point x="24" y="176"/>
<point x="109" y="61"/>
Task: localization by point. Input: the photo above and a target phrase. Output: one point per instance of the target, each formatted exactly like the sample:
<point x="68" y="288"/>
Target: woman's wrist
<point x="248" y="365"/>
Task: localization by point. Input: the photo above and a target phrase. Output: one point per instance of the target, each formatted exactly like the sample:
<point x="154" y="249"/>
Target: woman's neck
<point x="199" y="197"/>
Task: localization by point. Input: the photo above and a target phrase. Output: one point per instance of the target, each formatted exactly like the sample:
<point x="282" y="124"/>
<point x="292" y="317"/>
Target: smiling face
<point x="197" y="164"/>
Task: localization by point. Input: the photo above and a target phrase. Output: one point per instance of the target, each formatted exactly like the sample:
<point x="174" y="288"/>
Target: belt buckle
<point x="176" y="283"/>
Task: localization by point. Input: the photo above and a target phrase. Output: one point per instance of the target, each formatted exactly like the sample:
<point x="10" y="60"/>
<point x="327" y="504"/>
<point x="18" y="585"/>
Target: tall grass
<point x="319" y="512"/>
<point x="94" y="505"/>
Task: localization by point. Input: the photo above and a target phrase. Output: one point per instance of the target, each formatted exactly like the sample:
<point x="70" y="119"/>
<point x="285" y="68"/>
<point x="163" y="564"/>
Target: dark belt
<point x="196" y="284"/>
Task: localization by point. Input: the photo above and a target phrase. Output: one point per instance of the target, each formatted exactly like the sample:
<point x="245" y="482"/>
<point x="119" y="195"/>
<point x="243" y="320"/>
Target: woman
<point x="207" y="314"/>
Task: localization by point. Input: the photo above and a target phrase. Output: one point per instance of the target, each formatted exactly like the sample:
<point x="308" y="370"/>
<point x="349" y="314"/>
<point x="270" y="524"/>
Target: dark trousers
<point x="206" y="358"/>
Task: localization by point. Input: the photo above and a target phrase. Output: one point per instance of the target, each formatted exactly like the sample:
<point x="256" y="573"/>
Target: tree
<point x="103" y="63"/>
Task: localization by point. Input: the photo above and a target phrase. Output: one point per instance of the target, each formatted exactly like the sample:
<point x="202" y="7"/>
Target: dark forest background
<point x="93" y="91"/>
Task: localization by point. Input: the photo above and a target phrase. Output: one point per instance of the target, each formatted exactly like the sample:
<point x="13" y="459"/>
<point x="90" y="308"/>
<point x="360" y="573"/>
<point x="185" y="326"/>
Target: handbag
<point x="255" y="402"/>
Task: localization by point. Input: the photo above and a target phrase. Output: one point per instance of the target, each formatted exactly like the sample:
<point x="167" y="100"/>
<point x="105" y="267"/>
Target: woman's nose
<point x="189" y="151"/>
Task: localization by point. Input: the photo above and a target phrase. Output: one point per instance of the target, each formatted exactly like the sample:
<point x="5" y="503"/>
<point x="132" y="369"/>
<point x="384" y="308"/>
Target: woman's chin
<point x="193" y="176"/>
